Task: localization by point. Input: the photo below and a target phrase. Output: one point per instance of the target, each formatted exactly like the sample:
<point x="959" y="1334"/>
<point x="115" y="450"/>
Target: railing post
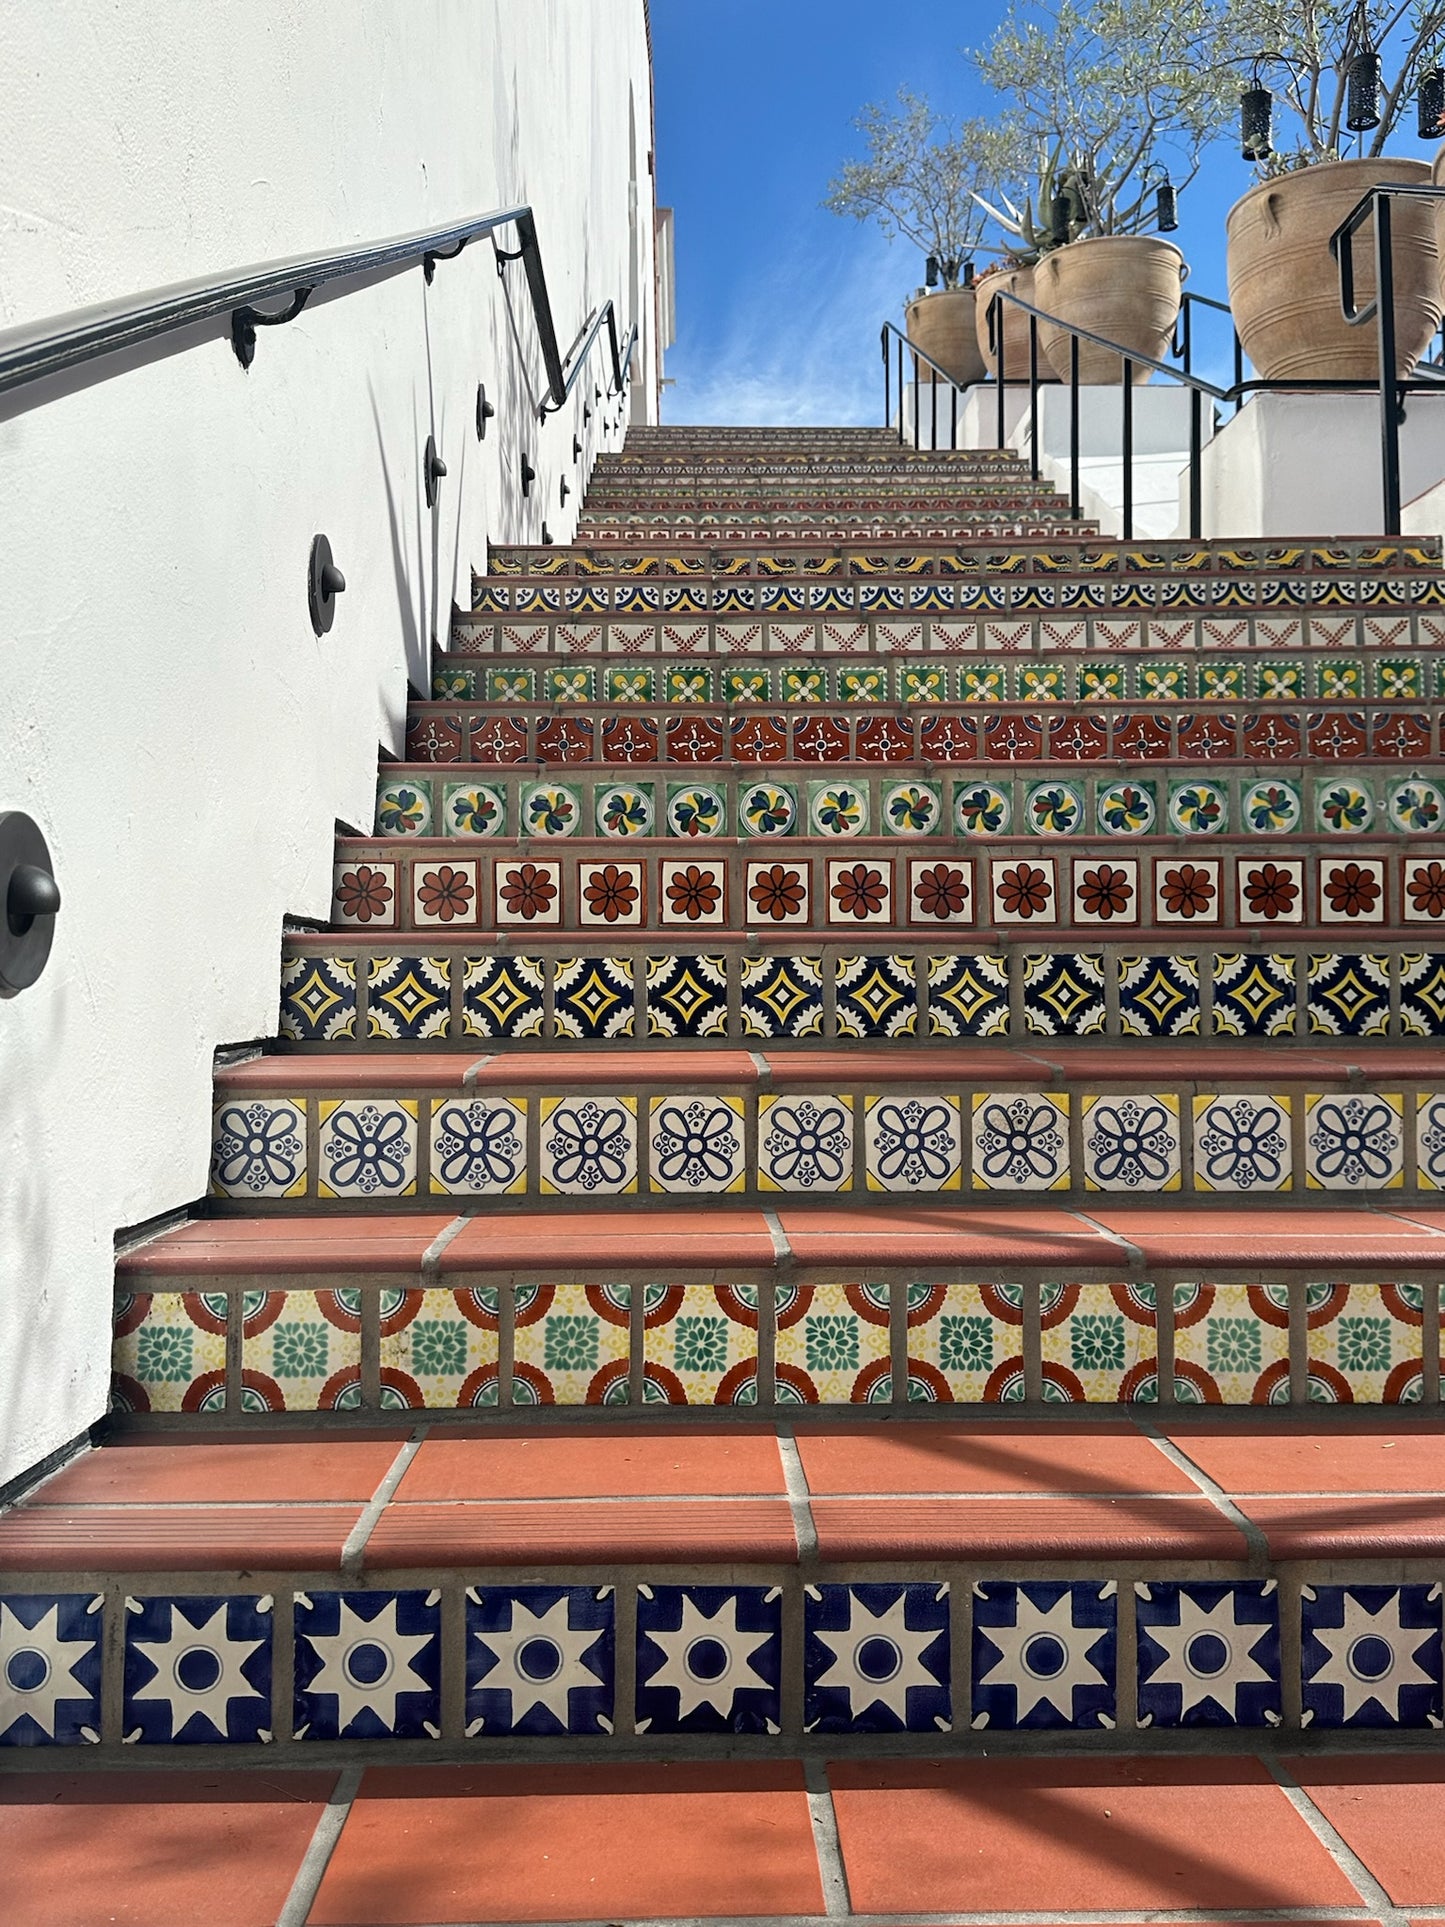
<point x="915" y="404"/>
<point x="900" y="391"/>
<point x="1389" y="395"/>
<point x="953" y="415"/>
<point x="887" y="384"/>
<point x="996" y="324"/>
<point x="933" y="391"/>
<point x="1128" y="530"/>
<point x="1034" y="396"/>
<point x="1196" y="454"/>
<point x="1074" y="507"/>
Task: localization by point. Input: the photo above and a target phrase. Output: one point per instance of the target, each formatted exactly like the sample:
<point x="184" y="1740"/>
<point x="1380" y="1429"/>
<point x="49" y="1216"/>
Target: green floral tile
<point x="688" y="685"/>
<point x="838" y="809"/>
<point x="803" y="685"/>
<point x="960" y="1348"/>
<point x="1101" y="682"/>
<point x="571" y="685"/>
<point x="169" y="1351"/>
<point x="630" y="685"/>
<point x="1341" y="679"/>
<point x="1365" y="1345"/>
<point x="572" y="1345"/>
<point x="1222" y="682"/>
<point x="474" y="809"/>
<point x="1231" y="1345"/>
<point x="862" y="685"/>
<point x="511" y="685"/>
<point x="923" y="683"/>
<point x="1127" y="808"/>
<point x="1164" y="682"/>
<point x="912" y="809"/>
<point x="454" y="685"/>
<point x="403" y="809"/>
<point x="1100" y="1345"/>
<point x="435" y="1357"/>
<point x="702" y="1341"/>
<point x="832" y="1345"/>
<point x="983" y="683"/>
<point x="1044" y="682"/>
<point x="1399" y="680"/>
<point x="747" y="685"/>
<point x="301" y="1351"/>
<point x="1280" y="680"/>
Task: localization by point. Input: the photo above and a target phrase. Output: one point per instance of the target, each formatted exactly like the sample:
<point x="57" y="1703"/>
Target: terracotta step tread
<point x="1095" y="1527"/>
<point x="565" y="1533"/>
<point x="190" y="1538"/>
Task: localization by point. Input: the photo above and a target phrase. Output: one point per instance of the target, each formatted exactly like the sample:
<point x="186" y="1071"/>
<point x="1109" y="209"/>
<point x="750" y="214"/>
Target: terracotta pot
<point x="1285" y="290"/>
<point x="1126" y="287"/>
<point x="942" y="324"/>
<point x="1437" y="175"/>
<point x="1019" y="281"/>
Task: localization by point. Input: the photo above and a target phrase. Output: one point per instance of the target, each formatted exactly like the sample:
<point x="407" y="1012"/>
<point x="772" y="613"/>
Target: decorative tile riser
<point x="990" y="596"/>
<point x="854" y="883"/>
<point x="1210" y="1139"/>
<point x="961" y="1634"/>
<point x="549" y="675"/>
<point x="338" y="992"/>
<point x="249" y="1346"/>
<point x="638" y="736"/>
<point x="1362" y="565"/>
<point x="741" y="528"/>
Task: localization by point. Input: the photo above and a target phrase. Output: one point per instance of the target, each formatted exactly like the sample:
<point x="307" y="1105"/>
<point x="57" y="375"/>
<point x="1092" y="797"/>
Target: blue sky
<point x="779" y="302"/>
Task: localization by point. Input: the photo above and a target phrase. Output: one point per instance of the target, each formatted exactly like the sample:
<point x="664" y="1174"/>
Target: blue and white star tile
<point x="198" y="1670"/>
<point x="1370" y="1655"/>
<point x="540" y="1659"/>
<point x="1045" y="1653"/>
<point x="367" y="1665"/>
<point x="876" y="1659"/>
<point x="709" y="1659"/>
<point x="1209" y="1653"/>
<point x="50" y="1669"/>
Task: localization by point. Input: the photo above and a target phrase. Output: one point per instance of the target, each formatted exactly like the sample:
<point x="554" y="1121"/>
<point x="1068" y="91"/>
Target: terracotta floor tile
<point x="938" y="1064"/>
<point x="986" y="1458"/>
<point x="1264" y="1239"/>
<point x="591" y="1240"/>
<point x="1404" y="1454"/>
<point x="1075" y="1528"/>
<point x="229" y="1538"/>
<point x="236" y="1246"/>
<point x="439" y="1844"/>
<point x="936" y="1837"/>
<point x="336" y="1071"/>
<point x="561" y="1532"/>
<point x="199" y="1469"/>
<point x="154" y="1849"/>
<point x="1403" y="1526"/>
<point x="572" y="1069"/>
<point x="596" y="1464"/>
<point x="942" y="1235"/>
<point x="1391" y="1810"/>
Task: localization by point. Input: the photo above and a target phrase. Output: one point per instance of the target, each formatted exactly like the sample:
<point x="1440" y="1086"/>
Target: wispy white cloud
<point x="798" y="346"/>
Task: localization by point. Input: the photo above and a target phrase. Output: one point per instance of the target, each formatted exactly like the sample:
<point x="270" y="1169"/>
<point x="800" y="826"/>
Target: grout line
<point x="317" y="1857"/>
<point x="799" y="1499"/>
<point x="1253" y="1535"/>
<point x="354" y="1551"/>
<point x="431" y="1257"/>
<point x="1262" y="1916"/>
<point x="825" y="1841"/>
<point x="782" y="1250"/>
<point x="1371" y="1892"/>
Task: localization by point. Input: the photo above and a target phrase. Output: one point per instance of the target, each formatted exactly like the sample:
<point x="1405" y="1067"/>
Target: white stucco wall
<point x="169" y="718"/>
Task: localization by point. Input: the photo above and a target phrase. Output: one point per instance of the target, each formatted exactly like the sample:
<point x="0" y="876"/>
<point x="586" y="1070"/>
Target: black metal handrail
<point x="1392" y="390"/>
<point x="941" y="374"/>
<point x="38" y="350"/>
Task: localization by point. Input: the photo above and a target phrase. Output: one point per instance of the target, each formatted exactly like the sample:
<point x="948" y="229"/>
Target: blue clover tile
<point x="1209" y="1654"/>
<point x="709" y="1659"/>
<point x="367" y="1665"/>
<point x="1044" y="1654"/>
<point x="198" y="1670"/>
<point x="540" y="1659"/>
<point x="876" y="1659"/>
<point x="49" y="1669"/>
<point x="1370" y="1655"/>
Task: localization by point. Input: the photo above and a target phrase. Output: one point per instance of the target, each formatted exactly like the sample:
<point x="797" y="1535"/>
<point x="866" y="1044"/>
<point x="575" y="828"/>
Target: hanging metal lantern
<point x="1166" y="207"/>
<point x="930" y="271"/>
<point x="1256" y="123"/>
<point x="1431" y="104"/>
<point x="1362" y="96"/>
<point x="1060" y="210"/>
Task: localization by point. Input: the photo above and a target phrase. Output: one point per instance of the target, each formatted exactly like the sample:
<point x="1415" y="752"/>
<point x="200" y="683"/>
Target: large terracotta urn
<point x="1284" y="287"/>
<point x="1019" y="281"/>
<point x="1437" y="175"/>
<point x="943" y="325"/>
<point x="1126" y="287"/>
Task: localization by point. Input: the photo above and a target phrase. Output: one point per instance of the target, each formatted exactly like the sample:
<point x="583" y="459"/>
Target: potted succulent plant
<point x="1122" y="95"/>
<point x="917" y="183"/>
<point x="1344" y="75"/>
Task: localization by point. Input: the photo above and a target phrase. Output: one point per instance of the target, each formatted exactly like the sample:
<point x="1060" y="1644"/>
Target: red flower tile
<point x="1273" y="737"/>
<point x="1206" y="738"/>
<point x="821" y="739"/>
<point x="435" y="739"/>
<point x="941" y="892"/>
<point x="564" y="739"/>
<point x="1143" y="738"/>
<point x="1336" y="734"/>
<point x="1424" y="892"/>
<point x="1106" y="892"/>
<point x="695" y="739"/>
<point x="948" y="739"/>
<point x="629" y="739"/>
<point x="760" y="739"/>
<point x="499" y="739"/>
<point x="884" y="739"/>
<point x="1186" y="892"/>
<point x="1078" y="739"/>
<point x="1405" y="738"/>
<point x="1013" y="738"/>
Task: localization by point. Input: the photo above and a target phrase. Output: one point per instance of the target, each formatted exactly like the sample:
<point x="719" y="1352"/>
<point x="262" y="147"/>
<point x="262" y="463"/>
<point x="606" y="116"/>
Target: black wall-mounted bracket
<point x="485" y="411"/>
<point x="433" y="468"/>
<point x="429" y="261"/>
<point x="529" y="475"/>
<point x="324" y="583"/>
<point x="29" y="899"/>
<point x="576" y="448"/>
<point x="245" y="322"/>
<point x="563" y="491"/>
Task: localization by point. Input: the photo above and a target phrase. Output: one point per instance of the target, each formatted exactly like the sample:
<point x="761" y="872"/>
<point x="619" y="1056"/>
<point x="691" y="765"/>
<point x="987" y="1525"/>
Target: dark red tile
<point x="1028" y="1835"/>
<point x="561" y="1532"/>
<point x="1391" y="1810"/>
<point x="1095" y="1527"/>
<point x="154" y="1849"/>
<point x="627" y="1463"/>
<point x="249" y="1538"/>
<point x="615" y="1842"/>
<point x="987" y="1458"/>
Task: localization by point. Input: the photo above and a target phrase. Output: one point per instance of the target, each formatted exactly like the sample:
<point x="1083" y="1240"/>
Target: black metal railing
<point x="1428" y="376"/>
<point x="39" y="350"/>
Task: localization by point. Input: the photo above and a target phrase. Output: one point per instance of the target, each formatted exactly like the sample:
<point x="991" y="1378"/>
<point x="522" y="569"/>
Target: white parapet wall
<point x="170" y="720"/>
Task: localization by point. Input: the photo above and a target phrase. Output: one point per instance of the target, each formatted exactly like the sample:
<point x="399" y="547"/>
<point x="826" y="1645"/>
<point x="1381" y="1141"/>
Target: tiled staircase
<point x="880" y="1071"/>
